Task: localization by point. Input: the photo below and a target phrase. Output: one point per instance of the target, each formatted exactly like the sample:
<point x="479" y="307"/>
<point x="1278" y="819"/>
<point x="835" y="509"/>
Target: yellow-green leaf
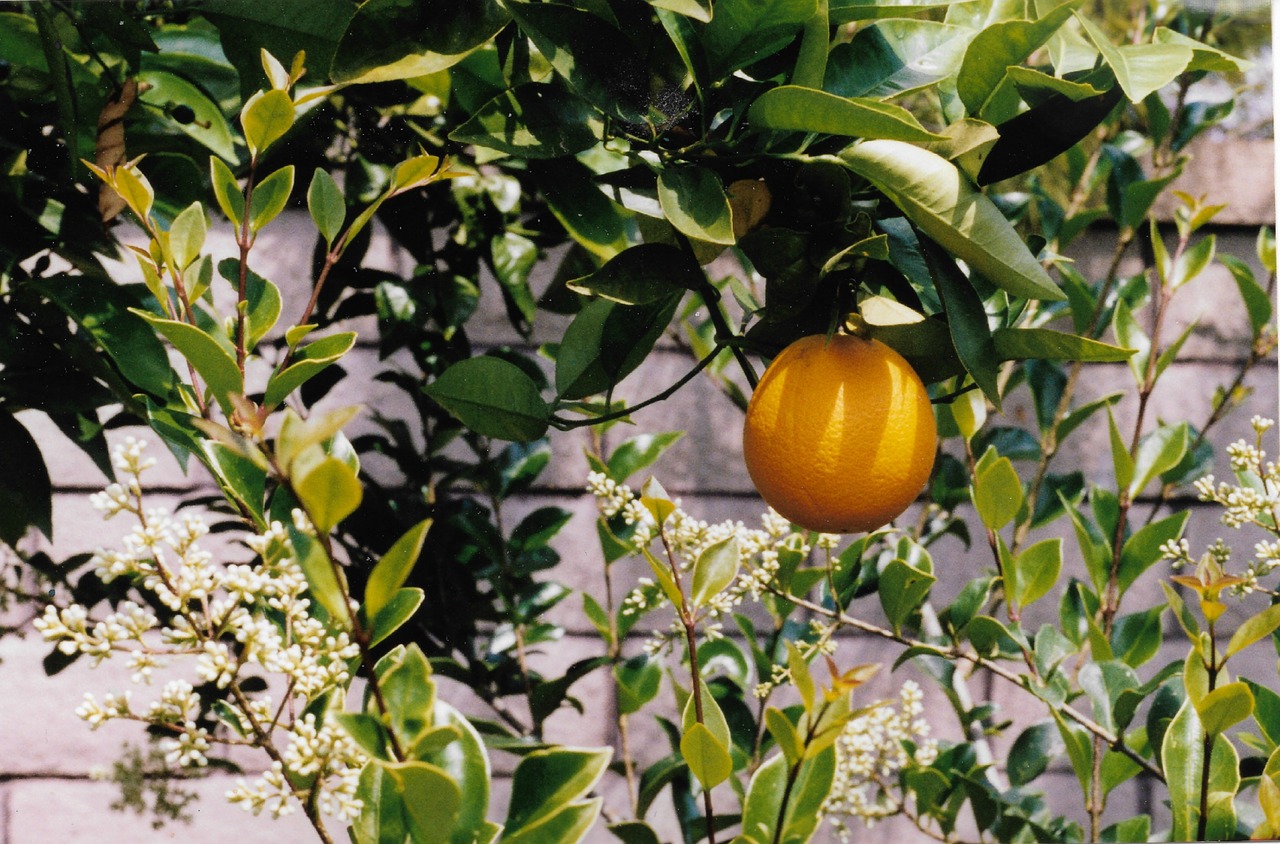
<point x="330" y="492"/>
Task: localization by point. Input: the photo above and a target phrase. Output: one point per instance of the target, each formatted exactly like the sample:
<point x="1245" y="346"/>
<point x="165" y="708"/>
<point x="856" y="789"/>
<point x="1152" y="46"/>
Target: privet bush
<point x="730" y="176"/>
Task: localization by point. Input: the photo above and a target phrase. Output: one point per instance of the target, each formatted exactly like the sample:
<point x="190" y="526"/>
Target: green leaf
<point x="327" y="206"/>
<point x="227" y="191"/>
<point x="697" y="9"/>
<point x="1182" y="754"/>
<point x="1121" y="460"/>
<point x="545" y="781"/>
<point x="638" y="680"/>
<point x="998" y="47"/>
<point x="895" y="57"/>
<point x="393" y="569"/>
<point x="1224" y="707"/>
<point x="715" y="568"/>
<point x="308" y="362"/>
<point x="403" y="604"/>
<point x="382" y="818"/>
<point x="330" y="492"/>
<point x="430" y="799"/>
<point x="1158" y="452"/>
<point x="26" y="492"/>
<point x="1192" y="262"/>
<point x="642" y="275"/>
<point x="744" y="31"/>
<point x="639" y="452"/>
<point x="210" y="360"/>
<point x="1139" y="68"/>
<point x="1079" y="749"/>
<point x="606" y="342"/>
<point x="467" y="763"/>
<point x="320" y="574"/>
<point x="1256" y="301"/>
<point x="1103" y="682"/>
<point x="706" y="756"/>
<point x="801" y="677"/>
<point x="966" y="322"/>
<point x="1142" y="550"/>
<point x="694" y="201"/>
<point x="784" y="733"/>
<point x="1130" y="335"/>
<point x="903" y="588"/>
<point x="568" y="824"/>
<point x="263" y="300"/>
<point x="269" y="197"/>
<point x="493" y="397"/>
<point x="391" y="39"/>
<point x="1046" y="344"/>
<point x="513" y="257"/>
<point x="1266" y="711"/>
<point x="1253" y="629"/>
<point x="187" y="234"/>
<point x="367" y="731"/>
<point x="266" y="117"/>
<point x="591" y="218"/>
<point x="1037" y="570"/>
<point x="534" y="120"/>
<point x="792" y="108"/>
<point x="998" y="493"/>
<point x="208" y="126"/>
<point x="1136" y="638"/>
<point x="945" y="206"/>
<point x="242" y="478"/>
<point x="634" y="832"/>
<point x="1031" y="752"/>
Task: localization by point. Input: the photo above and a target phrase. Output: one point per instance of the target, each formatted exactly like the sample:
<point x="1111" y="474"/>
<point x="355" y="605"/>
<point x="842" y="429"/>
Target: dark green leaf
<point x="547" y="780"/>
<point x="642" y="275"/>
<point x="308" y="362"/>
<point x="638" y="680"/>
<point x="397" y="39"/>
<point x="694" y="201"/>
<point x="534" y="120"/>
<point x="894" y="57"/>
<point x="1142" y="550"/>
<point x="742" y="32"/>
<point x="999" y="46"/>
<point x="1046" y="344"/>
<point x="492" y="397"/>
<point x="606" y="342"/>
<point x="327" y="206"/>
<point x="1032" y="751"/>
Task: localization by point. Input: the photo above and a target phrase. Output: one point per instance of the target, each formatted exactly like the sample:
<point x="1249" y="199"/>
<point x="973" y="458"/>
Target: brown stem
<point x="245" y="242"/>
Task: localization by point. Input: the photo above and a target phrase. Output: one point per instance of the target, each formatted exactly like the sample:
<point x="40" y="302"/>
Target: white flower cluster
<point x="226" y="619"/>
<point x="870" y="752"/>
<point x="1253" y="500"/>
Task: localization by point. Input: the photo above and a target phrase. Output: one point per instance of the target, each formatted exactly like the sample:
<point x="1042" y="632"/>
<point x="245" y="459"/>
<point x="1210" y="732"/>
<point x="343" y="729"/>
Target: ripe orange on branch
<point x="839" y="434"/>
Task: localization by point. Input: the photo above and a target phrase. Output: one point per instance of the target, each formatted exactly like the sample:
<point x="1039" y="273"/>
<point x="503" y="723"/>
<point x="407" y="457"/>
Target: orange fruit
<point x="839" y="434"/>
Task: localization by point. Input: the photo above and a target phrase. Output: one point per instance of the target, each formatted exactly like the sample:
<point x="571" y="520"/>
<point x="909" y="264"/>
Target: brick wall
<point x="47" y="755"/>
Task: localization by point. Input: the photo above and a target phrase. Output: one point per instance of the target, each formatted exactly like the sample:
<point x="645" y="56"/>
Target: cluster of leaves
<point x="842" y="156"/>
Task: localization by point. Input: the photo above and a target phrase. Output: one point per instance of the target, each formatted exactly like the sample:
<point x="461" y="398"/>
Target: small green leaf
<point x="320" y="573"/>
<point x="1031" y="752"/>
<point x="1158" y="452"/>
<point x="715" y="568"/>
<point x="638" y="681"/>
<point x="187" y="234"/>
<point x="903" y="588"/>
<point x="403" y="604"/>
<point x="694" y="200"/>
<point x="262" y="296"/>
<point x="784" y="734"/>
<point x="308" y="362"/>
<point x="1136" y="638"/>
<point x="269" y="197"/>
<point x="792" y="108"/>
<point x="1037" y="570"/>
<point x="639" y="452"/>
<point x="801" y="677"/>
<point x="1224" y="707"/>
<point x="368" y="732"/>
<point x="1142" y="550"/>
<point x="326" y="204"/>
<point x="998" y="47"/>
<point x="266" y="117"/>
<point x="998" y="493"/>
<point x="393" y="569"/>
<point x="706" y="756"/>
<point x="330" y="492"/>
<point x="1121" y="460"/>
<point x="1256" y="301"/>
<point x="1255" y="628"/>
